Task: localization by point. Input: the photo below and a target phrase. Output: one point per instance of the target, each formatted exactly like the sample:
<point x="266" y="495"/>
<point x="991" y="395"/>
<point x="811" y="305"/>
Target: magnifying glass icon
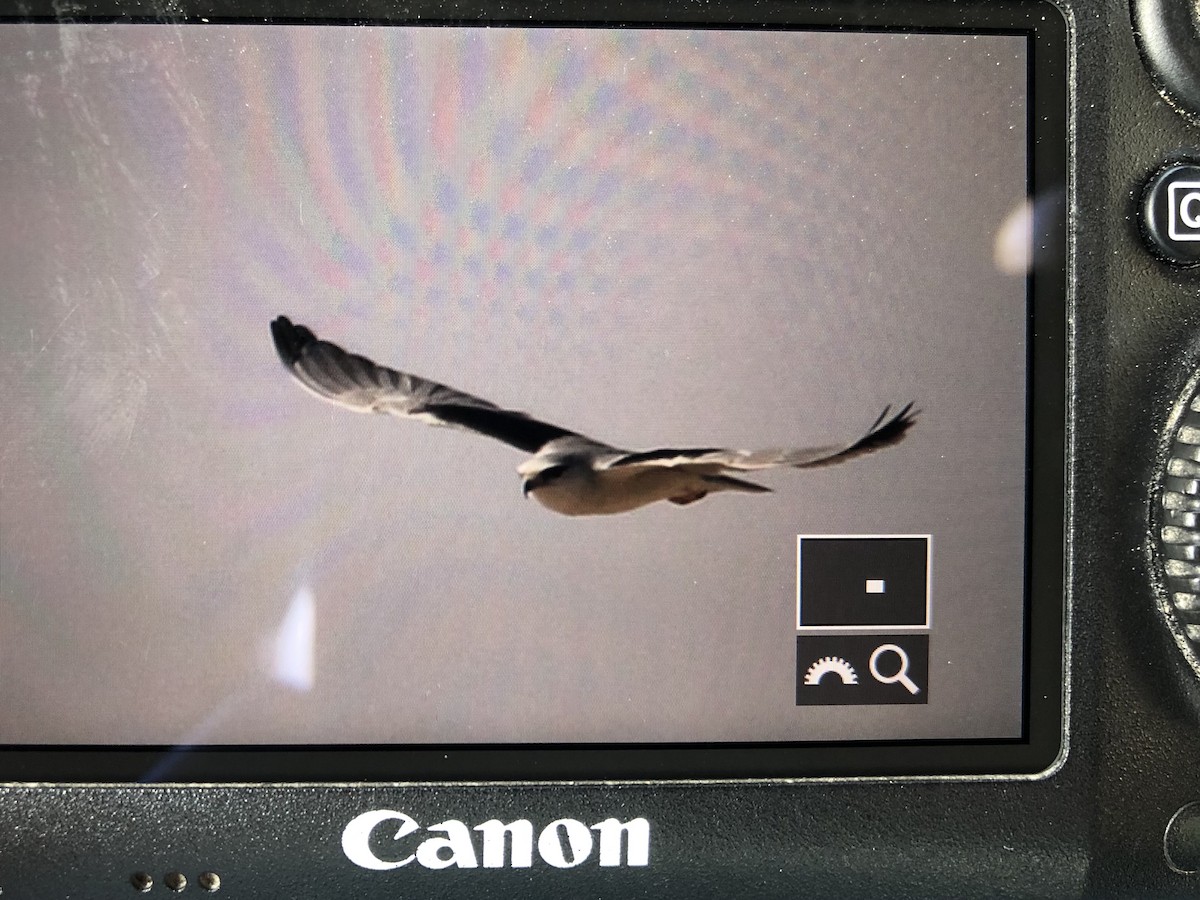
<point x="901" y="673"/>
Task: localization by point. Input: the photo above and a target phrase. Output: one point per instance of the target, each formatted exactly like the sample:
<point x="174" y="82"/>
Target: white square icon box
<point x="1183" y="218"/>
<point x="863" y="582"/>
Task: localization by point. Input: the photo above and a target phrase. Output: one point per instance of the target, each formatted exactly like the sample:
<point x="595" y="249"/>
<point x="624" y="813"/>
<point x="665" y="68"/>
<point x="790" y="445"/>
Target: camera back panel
<point x="254" y="643"/>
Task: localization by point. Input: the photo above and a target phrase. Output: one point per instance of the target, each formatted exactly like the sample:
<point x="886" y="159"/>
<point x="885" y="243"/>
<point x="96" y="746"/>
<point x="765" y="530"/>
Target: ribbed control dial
<point x="1179" y="524"/>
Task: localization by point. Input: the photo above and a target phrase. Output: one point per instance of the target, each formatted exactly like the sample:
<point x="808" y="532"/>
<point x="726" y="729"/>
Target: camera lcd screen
<point x="228" y="523"/>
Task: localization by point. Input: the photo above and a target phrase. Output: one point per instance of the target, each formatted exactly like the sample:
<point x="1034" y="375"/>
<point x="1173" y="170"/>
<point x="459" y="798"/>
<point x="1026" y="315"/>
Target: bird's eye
<point x="551" y="473"/>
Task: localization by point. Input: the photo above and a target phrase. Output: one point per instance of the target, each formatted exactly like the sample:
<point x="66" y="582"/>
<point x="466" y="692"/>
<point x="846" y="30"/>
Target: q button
<point x="1171" y="213"/>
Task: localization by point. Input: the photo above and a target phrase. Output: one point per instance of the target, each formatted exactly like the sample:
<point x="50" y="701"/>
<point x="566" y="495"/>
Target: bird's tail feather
<point x="728" y="483"/>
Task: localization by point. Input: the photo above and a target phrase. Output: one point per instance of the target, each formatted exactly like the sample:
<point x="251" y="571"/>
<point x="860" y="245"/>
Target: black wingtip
<point x="884" y="432"/>
<point x="290" y="340"/>
<point x="892" y="431"/>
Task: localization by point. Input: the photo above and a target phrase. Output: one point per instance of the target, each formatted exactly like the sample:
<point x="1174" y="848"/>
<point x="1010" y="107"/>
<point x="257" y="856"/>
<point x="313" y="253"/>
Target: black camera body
<point x="1105" y="801"/>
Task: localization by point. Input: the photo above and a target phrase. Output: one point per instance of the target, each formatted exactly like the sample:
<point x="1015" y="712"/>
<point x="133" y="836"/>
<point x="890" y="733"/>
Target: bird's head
<point x="542" y="478"/>
<point x="542" y="471"/>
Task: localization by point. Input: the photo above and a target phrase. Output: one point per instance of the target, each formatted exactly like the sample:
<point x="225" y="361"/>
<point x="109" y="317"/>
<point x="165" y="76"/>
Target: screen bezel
<point x="1041" y="746"/>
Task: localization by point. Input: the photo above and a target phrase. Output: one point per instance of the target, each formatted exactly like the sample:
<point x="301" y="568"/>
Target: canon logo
<point x="564" y="843"/>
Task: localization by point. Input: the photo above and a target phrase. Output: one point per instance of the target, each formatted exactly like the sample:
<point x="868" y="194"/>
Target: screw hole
<point x="141" y="882"/>
<point x="176" y="881"/>
<point x="209" y="881"/>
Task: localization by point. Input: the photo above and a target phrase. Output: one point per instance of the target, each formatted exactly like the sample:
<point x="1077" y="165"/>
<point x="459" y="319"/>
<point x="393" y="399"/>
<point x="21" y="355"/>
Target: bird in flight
<point x="568" y="472"/>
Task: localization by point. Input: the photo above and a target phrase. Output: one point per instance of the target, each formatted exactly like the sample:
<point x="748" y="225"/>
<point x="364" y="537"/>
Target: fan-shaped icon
<point x="827" y="664"/>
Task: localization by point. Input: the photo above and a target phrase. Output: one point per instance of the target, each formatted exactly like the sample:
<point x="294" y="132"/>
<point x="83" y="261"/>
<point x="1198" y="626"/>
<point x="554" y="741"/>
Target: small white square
<point x="876" y="586"/>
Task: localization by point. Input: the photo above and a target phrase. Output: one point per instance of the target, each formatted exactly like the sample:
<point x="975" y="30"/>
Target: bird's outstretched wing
<point x="357" y="383"/>
<point x="884" y="432"/>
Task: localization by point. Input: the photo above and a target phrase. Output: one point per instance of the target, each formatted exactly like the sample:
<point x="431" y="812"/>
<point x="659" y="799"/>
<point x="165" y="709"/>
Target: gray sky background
<point x="672" y="238"/>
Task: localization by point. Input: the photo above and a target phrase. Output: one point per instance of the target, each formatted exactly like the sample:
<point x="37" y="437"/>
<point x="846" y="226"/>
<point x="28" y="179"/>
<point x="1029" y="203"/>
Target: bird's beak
<point x="526" y="486"/>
